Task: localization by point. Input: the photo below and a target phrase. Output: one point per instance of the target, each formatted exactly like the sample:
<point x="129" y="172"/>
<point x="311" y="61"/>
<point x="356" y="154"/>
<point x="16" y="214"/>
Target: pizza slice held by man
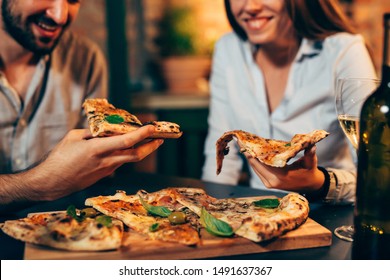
<point x="105" y="119"/>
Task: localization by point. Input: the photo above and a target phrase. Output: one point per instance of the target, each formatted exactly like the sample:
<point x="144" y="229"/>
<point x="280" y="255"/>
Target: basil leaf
<point x="71" y="211"/>
<point x="154" y="227"/>
<point x="104" y="220"/>
<point x="267" y="203"/>
<point x="214" y="225"/>
<point x="114" y="119"/>
<point x="155" y="210"/>
<point x="288" y="145"/>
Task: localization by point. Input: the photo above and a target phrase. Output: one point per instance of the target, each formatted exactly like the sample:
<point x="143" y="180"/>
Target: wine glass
<point x="350" y="96"/>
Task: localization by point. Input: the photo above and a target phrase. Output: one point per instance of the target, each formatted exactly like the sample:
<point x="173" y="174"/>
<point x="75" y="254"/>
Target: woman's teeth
<point x="256" y="23"/>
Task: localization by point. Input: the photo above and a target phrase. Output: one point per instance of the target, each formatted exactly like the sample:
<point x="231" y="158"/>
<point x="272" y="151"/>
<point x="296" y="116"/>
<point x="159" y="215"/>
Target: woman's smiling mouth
<point x="256" y="24"/>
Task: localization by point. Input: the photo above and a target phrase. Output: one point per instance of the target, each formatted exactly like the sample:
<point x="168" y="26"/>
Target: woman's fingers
<point x="310" y="158"/>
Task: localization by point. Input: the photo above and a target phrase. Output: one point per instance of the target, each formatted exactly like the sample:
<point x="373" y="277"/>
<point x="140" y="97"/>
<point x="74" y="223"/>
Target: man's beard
<point x="23" y="34"/>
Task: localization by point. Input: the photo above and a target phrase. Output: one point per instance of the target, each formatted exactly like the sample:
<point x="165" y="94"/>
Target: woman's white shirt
<point x="239" y="101"/>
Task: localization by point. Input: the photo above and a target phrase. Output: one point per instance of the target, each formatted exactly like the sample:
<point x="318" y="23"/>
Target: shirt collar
<point x="40" y="65"/>
<point x="308" y="48"/>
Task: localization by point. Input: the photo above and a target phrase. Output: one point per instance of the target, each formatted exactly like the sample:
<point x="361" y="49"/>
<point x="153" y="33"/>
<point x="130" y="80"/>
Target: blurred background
<point x="159" y="53"/>
<point x="152" y="30"/>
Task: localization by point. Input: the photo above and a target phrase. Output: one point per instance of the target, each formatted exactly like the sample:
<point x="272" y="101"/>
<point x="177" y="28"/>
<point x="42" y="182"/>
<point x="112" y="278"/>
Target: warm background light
<point x="367" y="16"/>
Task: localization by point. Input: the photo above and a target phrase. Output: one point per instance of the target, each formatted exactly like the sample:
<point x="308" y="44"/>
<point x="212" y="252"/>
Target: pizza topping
<point x="104" y="220"/>
<point x="177" y="218"/>
<point x="155" y="210"/>
<point x="214" y="225"/>
<point x="71" y="211"/>
<point x="101" y="220"/>
<point x="154" y="227"/>
<point x="114" y="119"/>
<point x="88" y="212"/>
<point x="267" y="203"/>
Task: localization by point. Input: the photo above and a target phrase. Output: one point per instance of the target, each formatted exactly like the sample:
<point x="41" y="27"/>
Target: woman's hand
<point x="301" y="176"/>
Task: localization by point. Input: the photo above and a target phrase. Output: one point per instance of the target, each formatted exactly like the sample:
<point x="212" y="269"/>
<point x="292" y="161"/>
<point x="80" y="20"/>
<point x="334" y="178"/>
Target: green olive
<point x="89" y="212"/>
<point x="177" y="217"/>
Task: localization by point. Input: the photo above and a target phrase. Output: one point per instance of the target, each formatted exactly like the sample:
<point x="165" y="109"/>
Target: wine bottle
<point x="372" y="208"/>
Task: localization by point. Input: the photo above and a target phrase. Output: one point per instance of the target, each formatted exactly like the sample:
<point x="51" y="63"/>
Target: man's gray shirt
<point x="29" y="129"/>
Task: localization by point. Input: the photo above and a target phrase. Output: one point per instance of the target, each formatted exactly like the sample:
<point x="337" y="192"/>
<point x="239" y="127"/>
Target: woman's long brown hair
<point x="312" y="19"/>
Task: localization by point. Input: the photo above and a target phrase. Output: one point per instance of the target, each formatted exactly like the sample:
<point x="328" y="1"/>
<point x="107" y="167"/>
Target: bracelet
<point x="323" y="191"/>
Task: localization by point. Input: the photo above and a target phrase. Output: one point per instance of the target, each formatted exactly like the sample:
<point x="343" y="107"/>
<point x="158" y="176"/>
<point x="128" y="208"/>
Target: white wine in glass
<point x="350" y="126"/>
<point x="350" y="96"/>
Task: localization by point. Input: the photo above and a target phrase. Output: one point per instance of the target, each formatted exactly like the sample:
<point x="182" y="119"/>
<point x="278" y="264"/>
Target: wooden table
<point x="329" y="216"/>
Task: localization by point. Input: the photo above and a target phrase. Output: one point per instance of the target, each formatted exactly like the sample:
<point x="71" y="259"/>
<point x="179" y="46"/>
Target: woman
<point x="274" y="76"/>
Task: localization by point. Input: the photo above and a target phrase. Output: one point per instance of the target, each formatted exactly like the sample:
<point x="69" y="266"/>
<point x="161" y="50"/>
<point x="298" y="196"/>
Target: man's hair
<point x="311" y="19"/>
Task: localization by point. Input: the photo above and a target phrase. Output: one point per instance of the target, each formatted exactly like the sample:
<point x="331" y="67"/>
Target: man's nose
<point x="59" y="11"/>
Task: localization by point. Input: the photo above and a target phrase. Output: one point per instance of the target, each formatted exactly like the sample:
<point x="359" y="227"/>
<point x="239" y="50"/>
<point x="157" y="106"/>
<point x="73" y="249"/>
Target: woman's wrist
<point x="322" y="192"/>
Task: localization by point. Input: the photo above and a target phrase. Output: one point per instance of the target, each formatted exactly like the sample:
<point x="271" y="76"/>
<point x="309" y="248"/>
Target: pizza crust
<point x="165" y="129"/>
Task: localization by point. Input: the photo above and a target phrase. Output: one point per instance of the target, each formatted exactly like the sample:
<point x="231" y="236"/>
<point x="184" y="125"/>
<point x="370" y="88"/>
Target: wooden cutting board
<point x="135" y="246"/>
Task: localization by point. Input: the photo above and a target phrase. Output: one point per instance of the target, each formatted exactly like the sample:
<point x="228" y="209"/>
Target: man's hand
<point x="77" y="162"/>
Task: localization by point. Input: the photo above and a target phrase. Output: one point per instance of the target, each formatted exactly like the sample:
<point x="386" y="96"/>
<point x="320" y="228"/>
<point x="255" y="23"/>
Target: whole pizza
<point x="175" y="215"/>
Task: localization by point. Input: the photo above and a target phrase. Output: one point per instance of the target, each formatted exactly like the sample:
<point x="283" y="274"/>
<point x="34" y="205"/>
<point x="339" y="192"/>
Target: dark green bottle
<point x="372" y="209"/>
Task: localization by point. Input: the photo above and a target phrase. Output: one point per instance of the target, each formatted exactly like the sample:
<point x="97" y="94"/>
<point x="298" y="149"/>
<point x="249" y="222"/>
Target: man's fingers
<point x="87" y="134"/>
<point x="125" y="141"/>
<point x="136" y="154"/>
<point x="77" y="134"/>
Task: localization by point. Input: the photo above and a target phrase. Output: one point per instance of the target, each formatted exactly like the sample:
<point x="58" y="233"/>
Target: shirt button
<point x="22" y="122"/>
<point x="18" y="161"/>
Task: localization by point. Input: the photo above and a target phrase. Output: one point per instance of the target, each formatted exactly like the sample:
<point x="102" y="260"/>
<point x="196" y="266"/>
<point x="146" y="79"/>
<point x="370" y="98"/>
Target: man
<point x="45" y="75"/>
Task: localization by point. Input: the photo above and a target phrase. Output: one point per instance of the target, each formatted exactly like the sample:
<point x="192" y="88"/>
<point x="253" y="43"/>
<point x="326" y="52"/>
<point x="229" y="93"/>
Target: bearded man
<point x="46" y="73"/>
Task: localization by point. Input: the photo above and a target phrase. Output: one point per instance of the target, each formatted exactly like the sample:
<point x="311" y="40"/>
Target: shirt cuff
<point x="329" y="185"/>
<point x="333" y="190"/>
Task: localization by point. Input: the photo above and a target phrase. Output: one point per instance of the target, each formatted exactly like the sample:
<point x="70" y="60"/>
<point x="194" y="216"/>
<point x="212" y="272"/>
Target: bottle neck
<point x="386" y="75"/>
<point x="386" y="51"/>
